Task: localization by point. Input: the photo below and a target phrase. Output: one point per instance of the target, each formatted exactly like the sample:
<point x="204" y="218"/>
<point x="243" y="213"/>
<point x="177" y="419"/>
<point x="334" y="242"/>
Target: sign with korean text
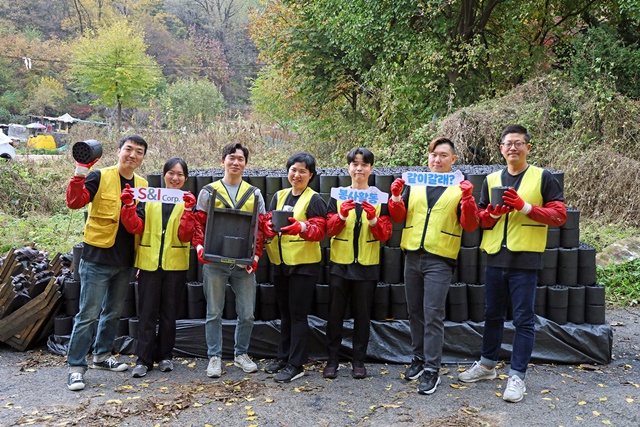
<point x="372" y="195"/>
<point x="432" y="179"/>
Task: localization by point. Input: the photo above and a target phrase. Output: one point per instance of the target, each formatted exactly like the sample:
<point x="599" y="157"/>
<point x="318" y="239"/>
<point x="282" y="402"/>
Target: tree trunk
<point x="119" y="117"/>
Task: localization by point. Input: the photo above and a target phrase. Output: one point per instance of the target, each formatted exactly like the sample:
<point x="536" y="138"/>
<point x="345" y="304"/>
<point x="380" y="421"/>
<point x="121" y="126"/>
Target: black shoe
<point x="289" y="373"/>
<point x="331" y="369"/>
<point x="429" y="382"/>
<point x="358" y="370"/>
<point x="275" y="366"/>
<point x="415" y="370"/>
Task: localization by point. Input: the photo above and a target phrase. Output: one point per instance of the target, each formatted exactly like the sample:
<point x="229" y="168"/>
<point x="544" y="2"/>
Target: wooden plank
<point x="26" y="314"/>
<point x="7" y="266"/>
<point x="33" y="332"/>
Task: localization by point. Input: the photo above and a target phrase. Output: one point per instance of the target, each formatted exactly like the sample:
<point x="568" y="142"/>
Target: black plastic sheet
<point x="390" y="341"/>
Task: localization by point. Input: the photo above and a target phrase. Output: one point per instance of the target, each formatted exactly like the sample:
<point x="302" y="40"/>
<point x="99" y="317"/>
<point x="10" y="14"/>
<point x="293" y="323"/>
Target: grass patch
<point x="622" y="282"/>
<point x="54" y="233"/>
<point x="595" y="233"/>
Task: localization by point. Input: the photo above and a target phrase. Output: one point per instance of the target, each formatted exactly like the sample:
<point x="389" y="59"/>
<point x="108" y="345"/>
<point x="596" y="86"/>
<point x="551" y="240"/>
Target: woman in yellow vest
<point x="356" y="230"/>
<point x="295" y="254"/>
<point x="163" y="260"/>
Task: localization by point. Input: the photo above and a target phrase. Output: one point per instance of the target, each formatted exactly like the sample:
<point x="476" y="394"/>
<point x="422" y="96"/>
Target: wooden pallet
<point x="29" y="313"/>
<point x="35" y="331"/>
<point x="7" y="293"/>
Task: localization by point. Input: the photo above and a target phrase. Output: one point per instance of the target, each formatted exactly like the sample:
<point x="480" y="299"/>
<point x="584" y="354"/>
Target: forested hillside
<point x="328" y="75"/>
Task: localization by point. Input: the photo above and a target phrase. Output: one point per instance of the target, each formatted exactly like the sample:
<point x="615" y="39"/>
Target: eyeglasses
<point x="517" y="144"/>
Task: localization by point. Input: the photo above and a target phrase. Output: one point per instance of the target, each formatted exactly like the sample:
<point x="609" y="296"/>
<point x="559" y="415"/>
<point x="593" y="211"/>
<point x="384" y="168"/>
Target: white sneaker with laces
<point x="214" y="369"/>
<point x="476" y="373"/>
<point x="515" y="389"/>
<point x="244" y="362"/>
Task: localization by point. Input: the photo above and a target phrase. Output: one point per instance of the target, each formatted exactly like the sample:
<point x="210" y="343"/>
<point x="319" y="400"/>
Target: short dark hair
<point x="136" y="139"/>
<point x="367" y="156"/>
<point x="439" y="141"/>
<point x="519" y="129"/>
<point x="232" y="148"/>
<point x="305" y="158"/>
<point x="174" y="161"/>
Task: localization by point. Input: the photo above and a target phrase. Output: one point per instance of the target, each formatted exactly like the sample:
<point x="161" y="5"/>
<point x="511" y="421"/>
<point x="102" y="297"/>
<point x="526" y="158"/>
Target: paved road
<point x="33" y="392"/>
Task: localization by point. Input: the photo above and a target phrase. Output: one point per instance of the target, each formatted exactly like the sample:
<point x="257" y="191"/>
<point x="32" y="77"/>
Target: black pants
<point x="361" y="292"/>
<point x="159" y="296"/>
<point x="295" y="299"/>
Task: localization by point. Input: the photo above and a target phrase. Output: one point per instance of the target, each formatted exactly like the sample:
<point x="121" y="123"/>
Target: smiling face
<point x="234" y="164"/>
<point x="175" y="177"/>
<point x="359" y="171"/>
<point x="130" y="157"/>
<point x="514" y="149"/>
<point x="441" y="158"/>
<point x="299" y="177"/>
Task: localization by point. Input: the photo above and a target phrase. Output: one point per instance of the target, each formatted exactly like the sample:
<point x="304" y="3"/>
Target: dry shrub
<point x="599" y="181"/>
<point x="593" y="139"/>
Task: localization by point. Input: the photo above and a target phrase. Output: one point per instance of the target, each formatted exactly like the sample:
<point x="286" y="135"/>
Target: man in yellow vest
<point x="232" y="192"/>
<point x="107" y="258"/>
<point x="435" y="218"/>
<point x="514" y="237"/>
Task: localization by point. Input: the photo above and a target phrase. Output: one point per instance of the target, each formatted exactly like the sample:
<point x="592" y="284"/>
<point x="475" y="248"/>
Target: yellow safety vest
<point x="522" y="234"/>
<point x="342" y="250"/>
<point x="104" y="211"/>
<point x="436" y="230"/>
<point x="175" y="253"/>
<point x="223" y="200"/>
<point x="294" y="250"/>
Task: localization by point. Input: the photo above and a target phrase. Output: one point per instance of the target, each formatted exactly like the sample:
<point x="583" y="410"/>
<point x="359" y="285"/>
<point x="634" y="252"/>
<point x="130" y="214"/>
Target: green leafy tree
<point x="193" y="104"/>
<point x="399" y="63"/>
<point x="112" y="64"/>
<point x="47" y="96"/>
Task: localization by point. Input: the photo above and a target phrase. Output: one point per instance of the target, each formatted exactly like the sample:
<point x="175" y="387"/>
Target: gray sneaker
<point x="165" y="365"/>
<point x="75" y="381"/>
<point x="214" y="369"/>
<point x="139" y="371"/>
<point x="476" y="373"/>
<point x="515" y="389"/>
<point x="244" y="362"/>
<point x="110" y="364"/>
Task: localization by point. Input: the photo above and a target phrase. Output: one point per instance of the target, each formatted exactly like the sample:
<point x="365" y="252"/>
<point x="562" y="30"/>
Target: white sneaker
<point x="214" y="369"/>
<point x="244" y="362"/>
<point x="515" y="389"/>
<point x="476" y="373"/>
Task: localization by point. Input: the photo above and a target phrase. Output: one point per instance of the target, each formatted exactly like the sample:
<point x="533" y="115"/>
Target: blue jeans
<point x="102" y="293"/>
<point x="500" y="285"/>
<point x="216" y="276"/>
<point x="427" y="278"/>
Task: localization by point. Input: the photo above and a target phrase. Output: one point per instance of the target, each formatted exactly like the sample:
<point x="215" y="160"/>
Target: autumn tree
<point x="112" y="64"/>
<point x="47" y="96"/>
<point x="192" y="104"/>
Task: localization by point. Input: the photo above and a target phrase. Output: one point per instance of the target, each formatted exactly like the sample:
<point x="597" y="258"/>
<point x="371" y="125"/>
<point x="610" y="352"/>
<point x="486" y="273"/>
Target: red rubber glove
<point x="296" y="227"/>
<point x="189" y="200"/>
<point x="467" y="189"/>
<point x="268" y="230"/>
<point x="346" y="207"/>
<point x="397" y="186"/>
<point x="497" y="211"/>
<point x="82" y="169"/>
<point x="200" y="251"/>
<point x="253" y="267"/>
<point x="127" y="195"/>
<point x="512" y="199"/>
<point x="369" y="209"/>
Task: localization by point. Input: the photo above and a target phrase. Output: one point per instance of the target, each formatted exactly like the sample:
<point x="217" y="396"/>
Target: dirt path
<point x="33" y="392"/>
